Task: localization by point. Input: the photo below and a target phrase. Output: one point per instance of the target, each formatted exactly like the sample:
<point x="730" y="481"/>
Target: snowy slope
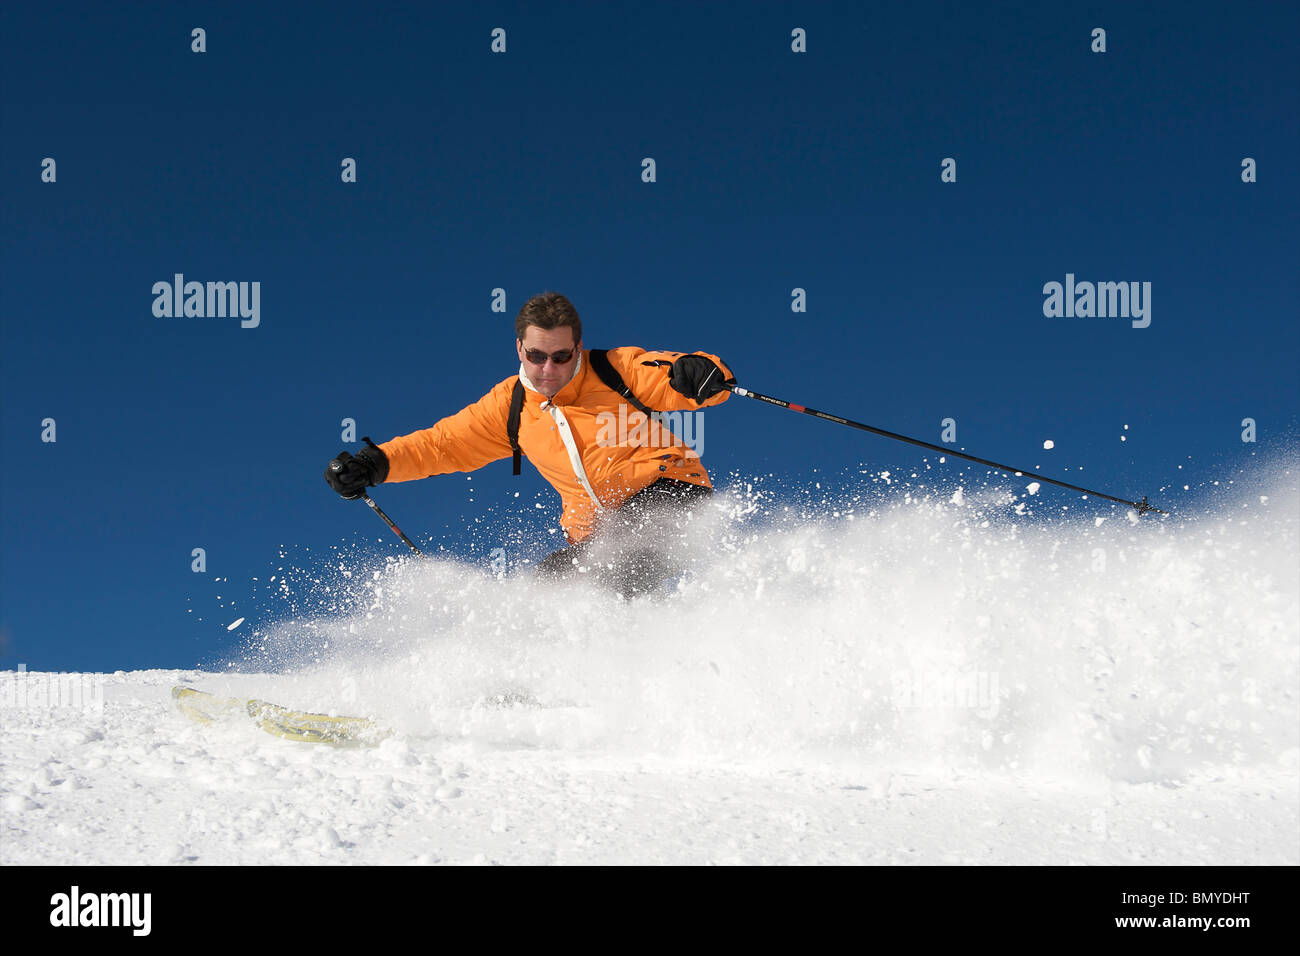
<point x="886" y="678"/>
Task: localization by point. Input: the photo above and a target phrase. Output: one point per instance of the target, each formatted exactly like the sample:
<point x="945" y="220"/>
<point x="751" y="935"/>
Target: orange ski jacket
<point x="608" y="454"/>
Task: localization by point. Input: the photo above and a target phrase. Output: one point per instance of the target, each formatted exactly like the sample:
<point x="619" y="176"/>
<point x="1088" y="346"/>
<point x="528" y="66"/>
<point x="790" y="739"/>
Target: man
<point x="622" y="493"/>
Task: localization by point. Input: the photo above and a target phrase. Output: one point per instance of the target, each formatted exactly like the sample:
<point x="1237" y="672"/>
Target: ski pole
<point x="337" y="465"/>
<point x="1142" y="506"/>
<point x="365" y="496"/>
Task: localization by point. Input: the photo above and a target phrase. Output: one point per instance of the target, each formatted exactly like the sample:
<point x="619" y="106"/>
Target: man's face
<point x="549" y="376"/>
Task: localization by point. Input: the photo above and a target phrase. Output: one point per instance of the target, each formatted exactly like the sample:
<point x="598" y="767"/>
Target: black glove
<point x="350" y="475"/>
<point x="697" y="377"/>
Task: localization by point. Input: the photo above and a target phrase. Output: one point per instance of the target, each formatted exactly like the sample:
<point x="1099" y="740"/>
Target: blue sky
<point x="522" y="171"/>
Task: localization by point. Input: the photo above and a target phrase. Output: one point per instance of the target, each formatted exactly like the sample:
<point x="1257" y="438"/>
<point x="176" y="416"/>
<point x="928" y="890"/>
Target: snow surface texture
<point x="891" y="675"/>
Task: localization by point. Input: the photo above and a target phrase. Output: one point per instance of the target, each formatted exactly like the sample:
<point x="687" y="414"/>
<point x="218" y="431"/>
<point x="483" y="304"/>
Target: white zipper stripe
<point x="566" y="436"/>
<point x="571" y="447"/>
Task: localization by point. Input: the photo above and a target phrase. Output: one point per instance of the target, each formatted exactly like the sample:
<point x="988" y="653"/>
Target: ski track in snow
<point x="896" y="675"/>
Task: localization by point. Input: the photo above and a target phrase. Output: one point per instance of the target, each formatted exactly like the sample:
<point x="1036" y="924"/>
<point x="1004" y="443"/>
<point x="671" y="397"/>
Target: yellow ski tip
<point x="337" y="731"/>
<point x="205" y="708"/>
<point x="202" y="707"/>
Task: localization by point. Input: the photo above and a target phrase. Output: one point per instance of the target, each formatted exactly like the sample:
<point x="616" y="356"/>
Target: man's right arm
<point x="473" y="437"/>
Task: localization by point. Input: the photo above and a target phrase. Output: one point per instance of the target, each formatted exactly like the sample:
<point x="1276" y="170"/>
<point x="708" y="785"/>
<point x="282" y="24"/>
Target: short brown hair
<point x="549" y="310"/>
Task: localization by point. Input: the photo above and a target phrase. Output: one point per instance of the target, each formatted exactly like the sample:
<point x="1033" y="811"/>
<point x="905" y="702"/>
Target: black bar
<point x="1142" y="506"/>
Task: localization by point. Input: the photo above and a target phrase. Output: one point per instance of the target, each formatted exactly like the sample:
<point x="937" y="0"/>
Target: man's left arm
<point x="673" y="381"/>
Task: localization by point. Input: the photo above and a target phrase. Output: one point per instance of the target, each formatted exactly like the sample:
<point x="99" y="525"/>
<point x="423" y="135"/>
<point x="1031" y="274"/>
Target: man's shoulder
<point x="627" y="358"/>
<point x="624" y="355"/>
<point x="620" y="359"/>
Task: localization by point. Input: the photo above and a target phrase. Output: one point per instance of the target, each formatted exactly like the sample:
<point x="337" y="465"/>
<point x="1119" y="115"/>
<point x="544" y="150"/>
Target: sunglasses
<point x="538" y="357"/>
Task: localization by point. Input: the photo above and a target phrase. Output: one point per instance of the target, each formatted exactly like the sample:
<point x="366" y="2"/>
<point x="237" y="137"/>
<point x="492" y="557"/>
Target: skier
<point x="624" y="488"/>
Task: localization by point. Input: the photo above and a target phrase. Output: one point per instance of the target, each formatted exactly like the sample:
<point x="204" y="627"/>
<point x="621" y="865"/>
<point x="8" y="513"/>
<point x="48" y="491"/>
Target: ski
<point x="337" y="731"/>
